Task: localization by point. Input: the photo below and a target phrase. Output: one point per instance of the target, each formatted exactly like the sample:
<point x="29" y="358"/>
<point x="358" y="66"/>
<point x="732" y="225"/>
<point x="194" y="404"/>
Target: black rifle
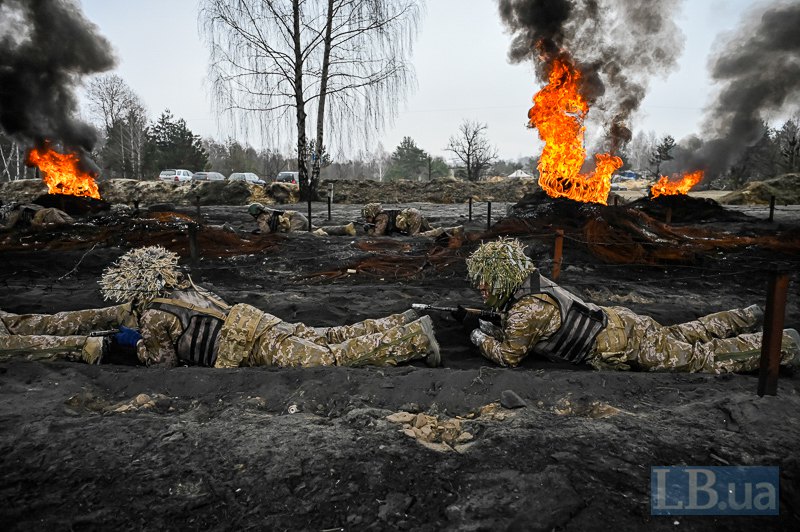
<point x="477" y="312"/>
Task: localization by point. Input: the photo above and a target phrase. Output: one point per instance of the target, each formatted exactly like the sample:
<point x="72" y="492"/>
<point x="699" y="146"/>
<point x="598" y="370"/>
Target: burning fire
<point x="666" y="187"/>
<point x="62" y="173"/>
<point x="558" y="113"/>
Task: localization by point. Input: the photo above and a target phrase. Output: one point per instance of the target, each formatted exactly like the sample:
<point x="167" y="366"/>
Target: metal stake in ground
<point x="557" y="253"/>
<point x="773" y="334"/>
<point x="194" y="251"/>
<point x="330" y="199"/>
<point x="771" y="208"/>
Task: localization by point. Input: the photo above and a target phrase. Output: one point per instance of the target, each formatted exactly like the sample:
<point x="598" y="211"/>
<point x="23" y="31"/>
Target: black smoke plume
<point x="46" y="47"/>
<point x="618" y="45"/>
<point x="758" y="69"/>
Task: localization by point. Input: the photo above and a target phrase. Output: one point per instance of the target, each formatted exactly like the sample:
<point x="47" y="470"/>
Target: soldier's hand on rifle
<point x="127" y="337"/>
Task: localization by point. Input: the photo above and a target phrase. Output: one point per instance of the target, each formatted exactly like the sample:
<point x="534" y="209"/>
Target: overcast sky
<point x="460" y="60"/>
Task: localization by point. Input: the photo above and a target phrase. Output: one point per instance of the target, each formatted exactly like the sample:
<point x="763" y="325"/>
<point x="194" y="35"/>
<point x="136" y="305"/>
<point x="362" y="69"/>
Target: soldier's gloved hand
<point x="127" y="337"/>
<point x="489" y="328"/>
<point x="477" y="337"/>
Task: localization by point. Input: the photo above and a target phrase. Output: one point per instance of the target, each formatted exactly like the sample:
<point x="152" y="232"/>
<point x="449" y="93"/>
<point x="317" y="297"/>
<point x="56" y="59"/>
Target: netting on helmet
<point x="141" y="275"/>
<point x="501" y="266"/>
<point x="371" y="210"/>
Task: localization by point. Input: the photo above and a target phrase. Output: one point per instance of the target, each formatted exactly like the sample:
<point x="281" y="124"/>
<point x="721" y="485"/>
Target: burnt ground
<point x="126" y="447"/>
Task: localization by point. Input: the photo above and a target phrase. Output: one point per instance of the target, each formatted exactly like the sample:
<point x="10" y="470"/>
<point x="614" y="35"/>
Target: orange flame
<point x="667" y="188"/>
<point x="558" y="113"/>
<point x="62" y="174"/>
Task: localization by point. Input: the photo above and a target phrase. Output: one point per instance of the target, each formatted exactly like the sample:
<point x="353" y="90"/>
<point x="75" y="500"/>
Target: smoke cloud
<point x="46" y="47"/>
<point x="758" y="69"/>
<point x="618" y="45"/>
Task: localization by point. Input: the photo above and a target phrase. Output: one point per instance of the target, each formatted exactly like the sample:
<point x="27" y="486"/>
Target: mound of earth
<point x="785" y="188"/>
<point x="129" y="191"/>
<point x="681" y="208"/>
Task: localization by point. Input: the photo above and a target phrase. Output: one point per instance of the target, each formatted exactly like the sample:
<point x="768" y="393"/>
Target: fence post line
<point x="558" y="249"/>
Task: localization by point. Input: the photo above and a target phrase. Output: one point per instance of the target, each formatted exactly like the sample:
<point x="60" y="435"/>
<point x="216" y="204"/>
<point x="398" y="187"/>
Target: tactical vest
<point x="391" y="224"/>
<point x="199" y="342"/>
<point x="273" y="221"/>
<point x="580" y="322"/>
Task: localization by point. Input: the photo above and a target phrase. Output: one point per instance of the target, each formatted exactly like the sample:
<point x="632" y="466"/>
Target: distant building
<point x="519" y="174"/>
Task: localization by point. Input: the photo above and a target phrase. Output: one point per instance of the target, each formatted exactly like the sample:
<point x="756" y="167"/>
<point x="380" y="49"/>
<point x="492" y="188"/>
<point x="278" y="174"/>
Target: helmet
<point x="371" y="210"/>
<point x="255" y="209"/>
<point x="141" y="275"/>
<point x="500" y="267"/>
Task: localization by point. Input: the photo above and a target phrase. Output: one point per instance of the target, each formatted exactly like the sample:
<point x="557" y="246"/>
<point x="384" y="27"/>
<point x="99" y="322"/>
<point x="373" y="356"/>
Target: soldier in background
<point x="276" y="221"/>
<point x="541" y="318"/>
<point x="29" y="214"/>
<point x="180" y="323"/>
<point x="407" y="221"/>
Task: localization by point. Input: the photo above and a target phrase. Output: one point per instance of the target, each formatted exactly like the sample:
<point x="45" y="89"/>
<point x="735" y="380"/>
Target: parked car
<point x="175" y="176"/>
<point x="246" y="176"/>
<point x="288" y="177"/>
<point x="208" y="176"/>
<point x="626" y="175"/>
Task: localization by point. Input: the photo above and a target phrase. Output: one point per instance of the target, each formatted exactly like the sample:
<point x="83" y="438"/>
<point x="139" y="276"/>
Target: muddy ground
<point x="122" y="447"/>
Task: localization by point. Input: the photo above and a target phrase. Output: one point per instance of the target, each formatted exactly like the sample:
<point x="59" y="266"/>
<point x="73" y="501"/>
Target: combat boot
<point x="409" y="316"/>
<point x="95" y="349"/>
<point x="795" y="337"/>
<point x="434" y="358"/>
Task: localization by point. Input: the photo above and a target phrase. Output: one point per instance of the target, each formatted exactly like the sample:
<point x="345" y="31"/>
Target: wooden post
<point x="557" y="253"/>
<point x="616" y="201"/>
<point x="470" y="208"/>
<point x="194" y="252"/>
<point x="330" y="199"/>
<point x="773" y="334"/>
<point x="772" y="208"/>
<point x="197" y="203"/>
<point x="668" y="217"/>
<point x="488" y="215"/>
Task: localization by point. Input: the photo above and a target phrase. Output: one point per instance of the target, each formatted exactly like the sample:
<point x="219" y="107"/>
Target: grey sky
<point x="461" y="65"/>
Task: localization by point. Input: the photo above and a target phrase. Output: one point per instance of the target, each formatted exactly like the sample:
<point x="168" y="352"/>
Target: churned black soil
<point x="125" y="447"/>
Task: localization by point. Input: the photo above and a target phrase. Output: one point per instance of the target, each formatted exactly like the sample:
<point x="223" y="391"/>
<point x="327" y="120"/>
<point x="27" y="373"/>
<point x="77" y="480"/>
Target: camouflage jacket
<point x="405" y="221"/>
<point x="530" y="320"/>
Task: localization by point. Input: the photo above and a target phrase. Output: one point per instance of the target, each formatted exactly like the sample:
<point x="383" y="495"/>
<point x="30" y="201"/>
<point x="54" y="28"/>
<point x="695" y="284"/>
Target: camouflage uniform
<point x="717" y="343"/>
<point x="276" y="221"/>
<point x="407" y="221"/>
<point x="61" y="335"/>
<point x="247" y="336"/>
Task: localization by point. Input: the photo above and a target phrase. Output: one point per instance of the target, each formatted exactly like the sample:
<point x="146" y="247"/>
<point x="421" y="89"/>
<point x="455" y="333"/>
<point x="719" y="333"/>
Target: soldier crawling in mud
<point x="181" y="323"/>
<point x="15" y="215"/>
<point x="276" y="221"/>
<point x="541" y="318"/>
<point x="407" y="221"/>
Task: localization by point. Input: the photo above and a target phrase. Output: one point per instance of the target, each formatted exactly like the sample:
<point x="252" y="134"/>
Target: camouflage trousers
<point x="717" y="343"/>
<point x="64" y="334"/>
<point x="381" y="342"/>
